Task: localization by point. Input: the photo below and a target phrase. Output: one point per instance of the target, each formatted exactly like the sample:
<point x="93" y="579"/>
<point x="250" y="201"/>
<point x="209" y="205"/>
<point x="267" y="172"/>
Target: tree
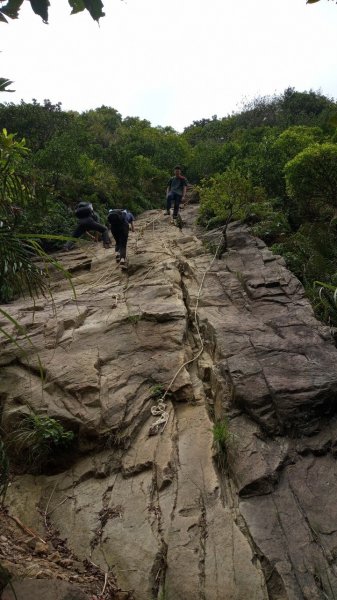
<point x="11" y="8"/>
<point x="225" y="195"/>
<point x="311" y="180"/>
<point x="17" y="270"/>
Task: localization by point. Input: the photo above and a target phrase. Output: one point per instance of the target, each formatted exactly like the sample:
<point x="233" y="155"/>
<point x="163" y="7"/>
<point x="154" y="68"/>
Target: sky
<point x="171" y="61"/>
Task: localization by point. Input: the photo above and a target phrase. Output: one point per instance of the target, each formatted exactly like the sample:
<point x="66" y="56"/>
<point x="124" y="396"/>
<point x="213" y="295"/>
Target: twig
<point x="45" y="514"/>
<point x="26" y="529"/>
<point x="105" y="582"/>
<point x="60" y="503"/>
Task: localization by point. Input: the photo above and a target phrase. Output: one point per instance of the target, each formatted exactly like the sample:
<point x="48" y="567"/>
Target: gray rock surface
<point x="42" y="589"/>
<point x="183" y="514"/>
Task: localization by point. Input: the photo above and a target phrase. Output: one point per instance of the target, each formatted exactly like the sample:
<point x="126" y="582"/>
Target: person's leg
<point x="101" y="229"/>
<point x="177" y="199"/>
<point x="80" y="229"/>
<point x="115" y="233"/>
<point x="168" y="203"/>
<point x="124" y="234"/>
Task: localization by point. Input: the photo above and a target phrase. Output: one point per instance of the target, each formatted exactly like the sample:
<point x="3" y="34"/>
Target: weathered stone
<point x="41" y="589"/>
<point x="248" y="517"/>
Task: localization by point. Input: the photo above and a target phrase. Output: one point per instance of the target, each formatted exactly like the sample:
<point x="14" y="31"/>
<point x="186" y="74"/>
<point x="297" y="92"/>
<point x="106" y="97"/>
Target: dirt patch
<point x="24" y="554"/>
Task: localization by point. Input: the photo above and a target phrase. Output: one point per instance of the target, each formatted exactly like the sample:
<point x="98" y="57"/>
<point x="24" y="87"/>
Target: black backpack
<point x="84" y="210"/>
<point x="116" y="217"/>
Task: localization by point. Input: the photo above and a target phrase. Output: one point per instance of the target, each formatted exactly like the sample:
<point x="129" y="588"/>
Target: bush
<point x="311" y="180"/>
<point x="36" y="439"/>
<point x="227" y="195"/>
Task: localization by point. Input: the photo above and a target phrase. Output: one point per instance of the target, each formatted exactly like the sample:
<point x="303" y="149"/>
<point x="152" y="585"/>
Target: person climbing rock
<point x="120" y="222"/>
<point x="175" y="192"/>
<point x="87" y="222"/>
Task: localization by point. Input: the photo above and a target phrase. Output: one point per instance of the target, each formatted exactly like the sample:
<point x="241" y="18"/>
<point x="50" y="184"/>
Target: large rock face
<point x="178" y="515"/>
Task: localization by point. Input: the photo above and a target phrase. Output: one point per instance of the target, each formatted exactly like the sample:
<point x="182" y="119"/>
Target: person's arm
<point x="184" y="192"/>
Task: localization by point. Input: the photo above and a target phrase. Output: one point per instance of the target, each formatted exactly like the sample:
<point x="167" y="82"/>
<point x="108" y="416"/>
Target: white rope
<point x="163" y="416"/>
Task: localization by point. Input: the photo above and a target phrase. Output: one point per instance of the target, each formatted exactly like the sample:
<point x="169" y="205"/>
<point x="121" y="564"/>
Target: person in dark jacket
<point x="120" y="222"/>
<point x="87" y="221"/>
<point x="175" y="192"/>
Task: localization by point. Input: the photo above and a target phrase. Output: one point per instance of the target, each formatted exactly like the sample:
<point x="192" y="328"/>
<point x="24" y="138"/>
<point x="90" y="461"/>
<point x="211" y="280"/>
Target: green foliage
<point x="273" y="224"/>
<point x="37" y="439"/>
<point x="222" y="437"/>
<point x="311" y="179"/>
<point x="311" y="253"/>
<point x="157" y="391"/>
<point x="19" y="271"/>
<point x="228" y="193"/>
<point x="11" y="8"/>
<point x="133" y="319"/>
<point x="221" y="433"/>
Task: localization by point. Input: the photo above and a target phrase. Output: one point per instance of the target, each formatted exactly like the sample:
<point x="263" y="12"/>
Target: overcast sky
<point x="171" y="61"/>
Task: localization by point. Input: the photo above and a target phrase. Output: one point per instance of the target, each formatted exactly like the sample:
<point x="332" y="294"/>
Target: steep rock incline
<point x="166" y="515"/>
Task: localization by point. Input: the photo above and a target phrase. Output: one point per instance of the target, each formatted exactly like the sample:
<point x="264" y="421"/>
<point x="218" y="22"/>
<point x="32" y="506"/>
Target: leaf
<point x="12" y="8"/>
<point x="40" y="7"/>
<point x="2" y="18"/>
<point x="312" y="1"/>
<point x="4" y="83"/>
<point x="77" y="6"/>
<point x="95" y="8"/>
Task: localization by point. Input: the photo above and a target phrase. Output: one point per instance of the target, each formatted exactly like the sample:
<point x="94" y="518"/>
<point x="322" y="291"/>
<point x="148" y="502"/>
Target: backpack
<point x="84" y="210"/>
<point x="116" y="217"/>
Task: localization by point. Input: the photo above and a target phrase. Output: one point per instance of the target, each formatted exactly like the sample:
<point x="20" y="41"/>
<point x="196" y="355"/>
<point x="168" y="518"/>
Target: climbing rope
<point x="159" y="425"/>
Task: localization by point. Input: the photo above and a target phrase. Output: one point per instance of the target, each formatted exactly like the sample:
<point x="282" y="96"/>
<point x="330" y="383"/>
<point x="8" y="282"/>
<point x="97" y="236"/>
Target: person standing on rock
<point x="87" y="221"/>
<point x="175" y="192"/>
<point x="120" y="222"/>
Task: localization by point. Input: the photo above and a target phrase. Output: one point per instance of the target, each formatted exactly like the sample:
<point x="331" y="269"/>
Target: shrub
<point x="37" y="438"/>
<point x="228" y="195"/>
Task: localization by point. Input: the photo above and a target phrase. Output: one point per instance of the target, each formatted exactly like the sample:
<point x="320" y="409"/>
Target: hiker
<point x="87" y="222"/>
<point x="175" y="192"/>
<point x="120" y="222"/>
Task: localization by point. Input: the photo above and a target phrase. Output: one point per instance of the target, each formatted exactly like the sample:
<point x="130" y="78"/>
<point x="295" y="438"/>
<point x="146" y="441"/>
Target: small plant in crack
<point x="157" y="392"/>
<point x="222" y="437"/>
<point x="39" y="439"/>
<point x="133" y="319"/>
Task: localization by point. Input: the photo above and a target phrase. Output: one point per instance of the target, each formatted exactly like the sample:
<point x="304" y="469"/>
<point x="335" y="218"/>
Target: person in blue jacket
<point x="120" y="222"/>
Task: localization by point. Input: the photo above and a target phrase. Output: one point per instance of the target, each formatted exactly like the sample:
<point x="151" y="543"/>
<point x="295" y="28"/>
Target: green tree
<point x="228" y="193"/>
<point x="311" y="179"/>
<point x="18" y="272"/>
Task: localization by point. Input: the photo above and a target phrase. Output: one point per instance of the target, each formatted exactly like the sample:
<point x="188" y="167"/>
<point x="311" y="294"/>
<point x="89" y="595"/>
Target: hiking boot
<point x="117" y="256"/>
